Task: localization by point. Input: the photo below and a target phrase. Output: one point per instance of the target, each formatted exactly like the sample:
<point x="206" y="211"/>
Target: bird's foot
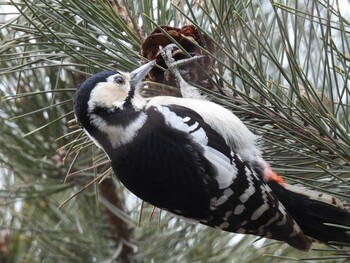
<point x="174" y="65"/>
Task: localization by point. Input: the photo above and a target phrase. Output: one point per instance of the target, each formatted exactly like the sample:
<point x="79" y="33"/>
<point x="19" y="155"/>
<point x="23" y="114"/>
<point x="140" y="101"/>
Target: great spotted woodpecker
<point x="196" y="159"/>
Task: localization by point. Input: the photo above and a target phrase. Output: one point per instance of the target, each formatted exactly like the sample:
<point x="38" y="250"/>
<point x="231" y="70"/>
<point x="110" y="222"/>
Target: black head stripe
<point x="129" y="98"/>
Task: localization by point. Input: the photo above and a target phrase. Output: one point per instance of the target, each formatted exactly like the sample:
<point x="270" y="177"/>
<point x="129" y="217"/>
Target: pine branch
<point x="124" y="13"/>
<point x="120" y="231"/>
<point x="48" y="47"/>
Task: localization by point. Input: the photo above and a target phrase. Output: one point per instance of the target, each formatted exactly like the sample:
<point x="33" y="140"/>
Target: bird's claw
<point x="172" y="64"/>
<point x="166" y="53"/>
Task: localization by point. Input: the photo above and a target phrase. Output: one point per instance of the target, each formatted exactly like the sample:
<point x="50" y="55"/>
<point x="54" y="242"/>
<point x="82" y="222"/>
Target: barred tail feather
<point x="320" y="216"/>
<point x="287" y="230"/>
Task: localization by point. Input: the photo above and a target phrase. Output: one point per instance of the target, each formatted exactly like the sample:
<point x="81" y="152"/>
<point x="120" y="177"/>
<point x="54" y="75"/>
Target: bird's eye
<point x="119" y="80"/>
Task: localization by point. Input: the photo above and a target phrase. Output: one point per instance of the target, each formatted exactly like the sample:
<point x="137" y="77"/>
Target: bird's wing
<point x="214" y="148"/>
<point x="236" y="135"/>
<point x="243" y="203"/>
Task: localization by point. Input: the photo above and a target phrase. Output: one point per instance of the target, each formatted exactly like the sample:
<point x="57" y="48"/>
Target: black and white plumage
<point x="196" y="159"/>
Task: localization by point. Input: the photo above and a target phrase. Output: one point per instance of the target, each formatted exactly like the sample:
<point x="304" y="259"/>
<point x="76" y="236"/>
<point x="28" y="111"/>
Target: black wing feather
<point x="177" y="175"/>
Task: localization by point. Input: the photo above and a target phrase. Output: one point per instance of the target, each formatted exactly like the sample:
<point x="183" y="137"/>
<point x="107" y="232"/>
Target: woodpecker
<point x="196" y="159"/>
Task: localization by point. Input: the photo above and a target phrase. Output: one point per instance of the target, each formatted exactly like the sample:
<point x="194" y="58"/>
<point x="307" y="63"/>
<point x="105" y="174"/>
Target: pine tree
<point x="281" y="66"/>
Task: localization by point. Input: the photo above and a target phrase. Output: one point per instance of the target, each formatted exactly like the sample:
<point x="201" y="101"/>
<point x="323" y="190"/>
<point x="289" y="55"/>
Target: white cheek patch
<point x="117" y="134"/>
<point x="108" y="95"/>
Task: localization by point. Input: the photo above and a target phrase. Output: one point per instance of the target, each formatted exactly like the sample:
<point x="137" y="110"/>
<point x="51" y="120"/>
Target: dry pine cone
<point x="189" y="38"/>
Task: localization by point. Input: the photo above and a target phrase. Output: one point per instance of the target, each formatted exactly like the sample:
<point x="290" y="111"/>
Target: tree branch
<point x="120" y="230"/>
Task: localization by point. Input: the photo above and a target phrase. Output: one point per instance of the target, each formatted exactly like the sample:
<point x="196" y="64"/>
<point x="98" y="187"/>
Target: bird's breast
<point x="164" y="168"/>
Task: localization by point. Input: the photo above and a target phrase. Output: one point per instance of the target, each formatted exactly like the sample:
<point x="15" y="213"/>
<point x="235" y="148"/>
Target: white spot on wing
<point x="222" y="199"/>
<point x="228" y="192"/>
<point x="271" y="221"/>
<point x="283" y="221"/>
<point x="194" y="126"/>
<point x="239" y="209"/>
<point x="258" y="212"/>
<point x="228" y="214"/>
<point x="296" y="230"/>
<point x="224" y="225"/>
<point x="186" y="119"/>
<point x="241" y="231"/>
<point x="250" y="190"/>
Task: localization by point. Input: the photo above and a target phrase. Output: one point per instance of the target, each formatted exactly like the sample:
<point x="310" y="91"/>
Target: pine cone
<point x="189" y="38"/>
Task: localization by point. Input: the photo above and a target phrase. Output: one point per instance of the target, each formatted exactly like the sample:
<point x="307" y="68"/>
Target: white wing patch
<point x="229" y="126"/>
<point x="179" y="123"/>
<point x="117" y="134"/>
<point x="226" y="172"/>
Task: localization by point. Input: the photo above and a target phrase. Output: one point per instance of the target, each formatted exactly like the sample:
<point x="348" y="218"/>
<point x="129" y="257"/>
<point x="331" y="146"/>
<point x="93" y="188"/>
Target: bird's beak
<point x="138" y="74"/>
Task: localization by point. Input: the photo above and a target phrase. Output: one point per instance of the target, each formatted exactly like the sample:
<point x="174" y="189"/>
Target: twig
<point x="120" y="230"/>
<point x="120" y="9"/>
<point x="101" y="176"/>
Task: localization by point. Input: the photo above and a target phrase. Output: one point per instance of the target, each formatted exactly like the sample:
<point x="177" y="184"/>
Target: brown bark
<point x="119" y="229"/>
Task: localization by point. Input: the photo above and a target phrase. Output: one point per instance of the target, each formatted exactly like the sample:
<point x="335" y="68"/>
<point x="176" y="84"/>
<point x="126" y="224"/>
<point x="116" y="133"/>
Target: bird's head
<point x="109" y="92"/>
<point x="108" y="102"/>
